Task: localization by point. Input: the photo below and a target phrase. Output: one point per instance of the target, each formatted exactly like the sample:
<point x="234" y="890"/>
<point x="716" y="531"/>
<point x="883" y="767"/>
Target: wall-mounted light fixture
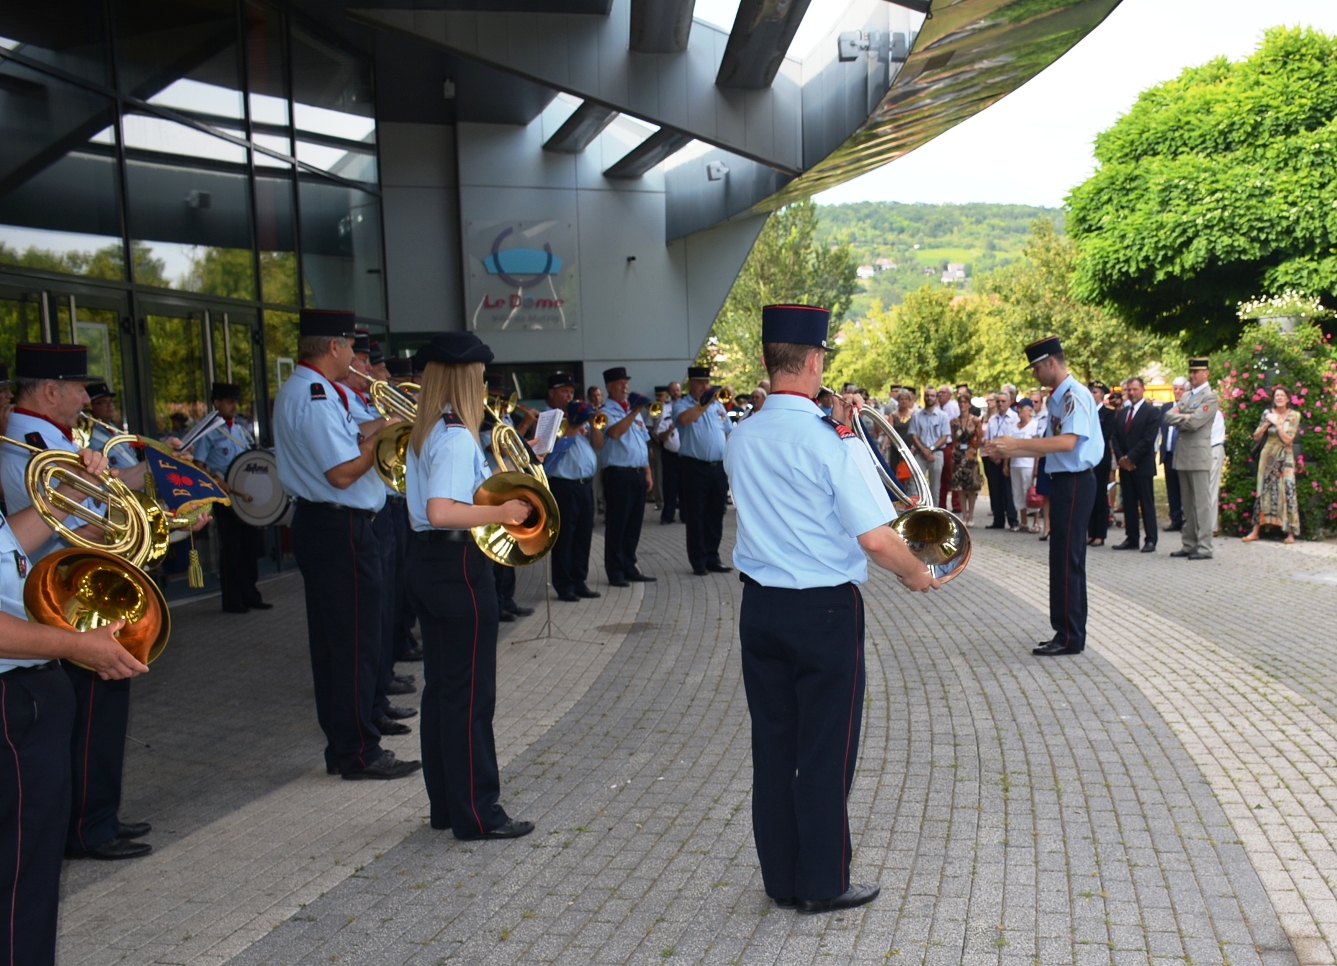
<point x="716" y="170"/>
<point x="200" y="199"/>
<point x="448" y="89"/>
<point x="630" y="259"/>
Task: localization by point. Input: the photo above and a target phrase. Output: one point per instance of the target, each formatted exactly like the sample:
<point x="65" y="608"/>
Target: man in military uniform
<point x="1074" y="445"/>
<point x="571" y="468"/>
<point x="703" y="426"/>
<point x="50" y="382"/>
<point x="240" y="545"/>
<point x="325" y="463"/>
<point x="102" y="407"/>
<point x="670" y="443"/>
<point x="626" y="477"/>
<point x="810" y="507"/>
<point x="1192" y="416"/>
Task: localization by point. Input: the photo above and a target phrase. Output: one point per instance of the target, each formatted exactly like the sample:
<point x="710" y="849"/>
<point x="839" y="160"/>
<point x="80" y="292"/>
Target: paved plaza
<point x="1166" y="797"/>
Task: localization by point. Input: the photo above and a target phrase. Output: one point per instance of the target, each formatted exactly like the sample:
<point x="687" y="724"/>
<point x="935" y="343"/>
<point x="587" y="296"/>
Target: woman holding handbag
<point x="1022" y="468"/>
<point x="967" y="477"/>
<point x="1274" y="445"/>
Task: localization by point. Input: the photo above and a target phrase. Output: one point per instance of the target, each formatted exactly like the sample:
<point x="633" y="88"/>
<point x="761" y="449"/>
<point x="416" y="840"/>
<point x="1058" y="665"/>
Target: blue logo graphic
<point x="511" y="264"/>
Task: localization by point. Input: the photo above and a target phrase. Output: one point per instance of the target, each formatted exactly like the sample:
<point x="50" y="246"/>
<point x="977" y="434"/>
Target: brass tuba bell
<point x="392" y="442"/>
<point x="524" y="543"/>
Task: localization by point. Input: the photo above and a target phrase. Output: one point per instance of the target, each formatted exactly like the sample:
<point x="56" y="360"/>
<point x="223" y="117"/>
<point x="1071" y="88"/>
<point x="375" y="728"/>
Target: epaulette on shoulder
<point x="35" y="439"/>
<point x="450" y="419"/>
<point x="317" y="391"/>
<point x="843" y="431"/>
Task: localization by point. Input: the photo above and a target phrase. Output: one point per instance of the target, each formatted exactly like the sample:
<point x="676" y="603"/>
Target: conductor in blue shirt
<point x="325" y="463"/>
<point x="1072" y="444"/>
<point x="811" y="510"/>
<point x="703" y="426"/>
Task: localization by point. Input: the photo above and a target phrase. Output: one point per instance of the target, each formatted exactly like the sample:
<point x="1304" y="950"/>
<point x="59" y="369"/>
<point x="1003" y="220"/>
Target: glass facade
<point x="168" y="164"/>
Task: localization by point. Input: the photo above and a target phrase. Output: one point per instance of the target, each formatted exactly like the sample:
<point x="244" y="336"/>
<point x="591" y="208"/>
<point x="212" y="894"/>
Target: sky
<point x="1035" y="144"/>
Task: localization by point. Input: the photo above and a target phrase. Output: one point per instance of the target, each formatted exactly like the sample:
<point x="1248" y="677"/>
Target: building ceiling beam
<point x="584" y="125"/>
<point x="654" y="149"/>
<point x="760" y="38"/>
<point x="661" y="26"/>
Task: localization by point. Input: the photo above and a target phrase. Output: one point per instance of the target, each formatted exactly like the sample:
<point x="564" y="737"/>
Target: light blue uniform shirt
<point x="13" y="569"/>
<point x="217" y="449"/>
<point x="121" y="456"/>
<point x="703" y="439"/>
<point x="450" y="467"/>
<point x="804" y="495"/>
<point x="313" y="432"/>
<point x="632" y="449"/>
<point x="1072" y="409"/>
<point x="579" y="462"/>
<point x="14" y="462"/>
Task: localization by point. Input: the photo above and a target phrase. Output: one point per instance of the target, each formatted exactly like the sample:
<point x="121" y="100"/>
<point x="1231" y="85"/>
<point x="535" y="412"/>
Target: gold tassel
<point x="195" y="573"/>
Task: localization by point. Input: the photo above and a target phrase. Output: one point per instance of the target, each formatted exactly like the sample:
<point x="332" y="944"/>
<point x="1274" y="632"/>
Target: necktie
<point x="1128" y="423"/>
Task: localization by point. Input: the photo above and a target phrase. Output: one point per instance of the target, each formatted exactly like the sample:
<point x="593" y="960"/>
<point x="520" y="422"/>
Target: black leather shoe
<point x="700" y="571"/>
<point x="1174" y="528"/>
<point x="260" y="605"/>
<point x="388" y="726"/>
<point x="406" y="679"/>
<point x="396" y="713"/>
<point x="117" y="849"/>
<point x="1126" y="545"/>
<point x="505" y="616"/>
<point x="569" y="597"/>
<point x="618" y="583"/>
<point x="856" y="895"/>
<point x="994" y="526"/>
<point x="719" y="569"/>
<point x="1148" y="548"/>
<point x="236" y="610"/>
<point x="399" y="687"/>
<point x="642" y="578"/>
<point x="519" y="611"/>
<point x="132" y="830"/>
<point x="583" y="591"/>
<point x="1200" y="556"/>
<point x="385" y="768"/>
<point x="1180" y="553"/>
<point x="412" y="654"/>
<point x="511" y="830"/>
<point x="789" y="903"/>
<point x="1052" y="649"/>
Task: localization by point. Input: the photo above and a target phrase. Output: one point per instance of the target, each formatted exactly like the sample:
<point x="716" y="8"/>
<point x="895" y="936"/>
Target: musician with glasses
<point x="811" y="509"/>
<point x="703" y="427"/>
<point x="240" y="545"/>
<point x="451" y="582"/>
<point x="37" y="715"/>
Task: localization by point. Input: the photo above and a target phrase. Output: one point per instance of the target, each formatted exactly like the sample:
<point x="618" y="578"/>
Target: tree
<point x="1034" y="298"/>
<point x="787" y="264"/>
<point x="1215" y="188"/>
<point x="927" y="338"/>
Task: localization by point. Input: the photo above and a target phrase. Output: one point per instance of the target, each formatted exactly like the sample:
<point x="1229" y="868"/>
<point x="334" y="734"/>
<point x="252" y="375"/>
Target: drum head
<point x="257" y="496"/>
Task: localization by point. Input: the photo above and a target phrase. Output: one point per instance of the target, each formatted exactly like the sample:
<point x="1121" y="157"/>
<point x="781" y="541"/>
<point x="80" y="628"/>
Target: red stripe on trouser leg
<point x="18" y="826"/>
<point x="473" y="681"/>
<point x="357" y="648"/>
<point x="849" y="736"/>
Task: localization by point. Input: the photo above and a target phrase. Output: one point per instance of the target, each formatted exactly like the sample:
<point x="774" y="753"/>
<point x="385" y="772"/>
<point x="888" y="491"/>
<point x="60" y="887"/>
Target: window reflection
<point x="333" y="109"/>
<point x="280" y="349"/>
<point x="341" y="248"/>
<point x="265" y="65"/>
<point x="160" y="43"/>
<point x="189" y="203"/>
<point x="274" y="231"/>
<point x="66" y="34"/>
<point x="59" y="194"/>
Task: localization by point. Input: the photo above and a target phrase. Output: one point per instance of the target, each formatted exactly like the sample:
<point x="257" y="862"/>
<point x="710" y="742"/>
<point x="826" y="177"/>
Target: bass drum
<point x="258" y="498"/>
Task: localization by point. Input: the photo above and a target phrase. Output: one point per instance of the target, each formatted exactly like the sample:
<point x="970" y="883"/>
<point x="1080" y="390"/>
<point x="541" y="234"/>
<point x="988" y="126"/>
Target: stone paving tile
<point x="1014" y="811"/>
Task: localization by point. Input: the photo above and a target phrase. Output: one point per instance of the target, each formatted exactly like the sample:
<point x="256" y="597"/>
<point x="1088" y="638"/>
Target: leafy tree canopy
<point x="1216" y="187"/>
<point x="787" y="264"/>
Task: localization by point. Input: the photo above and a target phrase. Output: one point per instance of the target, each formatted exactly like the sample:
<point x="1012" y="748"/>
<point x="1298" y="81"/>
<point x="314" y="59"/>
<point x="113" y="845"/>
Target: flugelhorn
<point x="515" y="545"/>
<point x="934" y="534"/>
<point x="392" y="442"/>
<point x="93" y="583"/>
<point x="721" y="394"/>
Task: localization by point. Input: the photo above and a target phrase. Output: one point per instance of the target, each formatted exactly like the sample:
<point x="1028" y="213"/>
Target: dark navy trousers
<point x="404" y="616"/>
<point x="239" y="549"/>
<point x="624" y="503"/>
<point x="803" y="669"/>
<point x="340" y="559"/>
<point x="36" y="716"/>
<point x="451" y="585"/>
<point x="705" y="492"/>
<point x="670" y="474"/>
<point x="385" y="667"/>
<point x="1071" y="497"/>
<point x="571" y="553"/>
<point x="504" y="579"/>
<point x="97" y="757"/>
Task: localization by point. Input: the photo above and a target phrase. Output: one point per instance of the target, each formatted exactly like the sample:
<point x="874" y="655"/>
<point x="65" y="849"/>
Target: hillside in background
<point x="922" y="240"/>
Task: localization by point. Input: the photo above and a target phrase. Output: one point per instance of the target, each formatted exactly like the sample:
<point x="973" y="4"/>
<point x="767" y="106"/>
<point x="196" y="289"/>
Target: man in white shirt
<point x="1001" y="422"/>
<point x="1218" y="461"/>
<point x="666" y="431"/>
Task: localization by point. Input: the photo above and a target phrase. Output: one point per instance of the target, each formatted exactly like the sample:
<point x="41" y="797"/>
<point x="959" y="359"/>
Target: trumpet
<point x="392" y="442"/>
<point x="652" y="406"/>
<point x="599" y="421"/>
<point x="721" y="394"/>
<point x="92" y="583"/>
<point x="935" y="535"/>
<point x="515" y="545"/>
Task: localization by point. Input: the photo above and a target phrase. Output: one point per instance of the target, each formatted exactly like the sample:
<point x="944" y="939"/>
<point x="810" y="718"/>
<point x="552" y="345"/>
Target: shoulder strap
<point x="843" y="431"/>
<point x="451" y="419"/>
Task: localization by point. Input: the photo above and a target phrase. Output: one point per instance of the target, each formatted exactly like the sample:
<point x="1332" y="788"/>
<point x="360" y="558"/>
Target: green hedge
<point x="1304" y="361"/>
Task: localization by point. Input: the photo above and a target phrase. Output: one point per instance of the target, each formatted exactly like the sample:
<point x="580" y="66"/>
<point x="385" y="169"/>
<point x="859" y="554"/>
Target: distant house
<point x="884" y="264"/>
<point x="865" y="271"/>
<point x="956" y="272"/>
<point x="930" y="270"/>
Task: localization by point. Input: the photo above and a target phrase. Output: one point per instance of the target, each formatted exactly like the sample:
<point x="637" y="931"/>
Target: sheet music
<point x="545" y="433"/>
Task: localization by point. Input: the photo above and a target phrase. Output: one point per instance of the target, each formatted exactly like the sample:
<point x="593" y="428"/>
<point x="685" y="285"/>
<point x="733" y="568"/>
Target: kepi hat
<point x="1043" y="349"/>
<point x="98" y="390"/>
<point x="559" y="379"/>
<point x="797" y="324"/>
<point x="329" y="323"/>
<point x="1199" y="364"/>
<point x="226" y="390"/>
<point x="615" y="373"/>
<point x="42" y="360"/>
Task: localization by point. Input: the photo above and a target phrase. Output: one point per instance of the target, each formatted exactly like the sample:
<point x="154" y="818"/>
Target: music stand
<point x="548" y="630"/>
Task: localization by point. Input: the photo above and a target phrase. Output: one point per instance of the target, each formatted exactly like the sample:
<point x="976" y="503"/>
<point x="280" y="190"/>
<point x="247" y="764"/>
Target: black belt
<point x="16" y="671"/>
<point x="626" y="469"/>
<point x="1054" y="473"/>
<point x="443" y="536"/>
<point x="397" y="500"/>
<point x="563" y="479"/>
<point x="337" y="508"/>
<point x="705" y="462"/>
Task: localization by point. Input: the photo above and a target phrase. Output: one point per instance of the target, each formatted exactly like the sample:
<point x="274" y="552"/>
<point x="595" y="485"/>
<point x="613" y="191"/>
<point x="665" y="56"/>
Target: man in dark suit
<point x="1136" y="427"/>
<point x="1169" y="438"/>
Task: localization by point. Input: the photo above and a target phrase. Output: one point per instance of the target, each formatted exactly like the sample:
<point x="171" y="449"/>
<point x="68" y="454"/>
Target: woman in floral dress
<point x="1276" y="504"/>
<point x="967" y="436"/>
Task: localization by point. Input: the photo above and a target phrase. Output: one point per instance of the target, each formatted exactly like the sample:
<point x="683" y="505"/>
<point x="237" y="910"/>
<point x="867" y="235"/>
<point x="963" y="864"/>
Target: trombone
<point x="934" y="534"/>
<point x="516" y="545"/>
<point x="392" y="442"/>
<point x="92" y="583"/>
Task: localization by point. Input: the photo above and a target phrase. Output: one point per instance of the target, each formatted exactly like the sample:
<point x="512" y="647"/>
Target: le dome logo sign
<point x="522" y="275"/>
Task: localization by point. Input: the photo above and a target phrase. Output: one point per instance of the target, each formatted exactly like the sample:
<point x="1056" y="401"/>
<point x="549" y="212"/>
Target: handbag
<point x="1034" y="500"/>
<point x="1256" y="450"/>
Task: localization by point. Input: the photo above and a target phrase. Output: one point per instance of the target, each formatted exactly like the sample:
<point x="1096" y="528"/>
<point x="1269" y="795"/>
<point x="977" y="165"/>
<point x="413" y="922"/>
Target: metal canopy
<point x="761" y="35"/>
<point x="661" y="26"/>
<point x="647" y="154"/>
<point x="582" y="127"/>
